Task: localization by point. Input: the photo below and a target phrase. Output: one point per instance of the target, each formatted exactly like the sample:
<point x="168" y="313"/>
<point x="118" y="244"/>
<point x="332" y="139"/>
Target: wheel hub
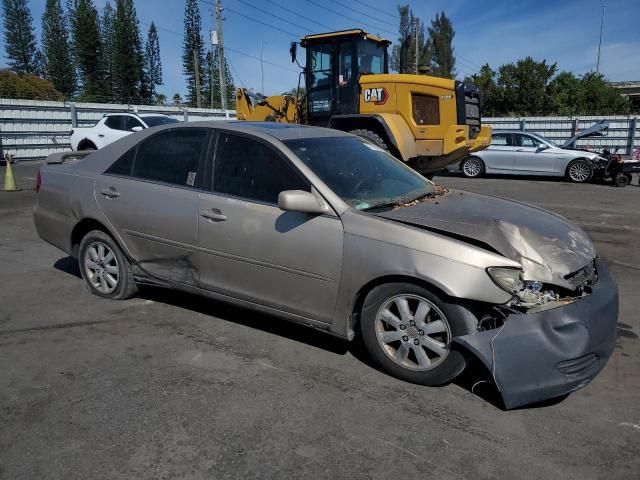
<point x="413" y="332"/>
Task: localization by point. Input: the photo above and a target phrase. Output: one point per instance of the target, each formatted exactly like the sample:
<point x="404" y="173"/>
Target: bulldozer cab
<point x="335" y="62"/>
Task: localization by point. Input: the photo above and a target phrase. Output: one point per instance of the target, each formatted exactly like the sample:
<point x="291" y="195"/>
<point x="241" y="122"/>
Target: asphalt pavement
<point x="170" y="385"/>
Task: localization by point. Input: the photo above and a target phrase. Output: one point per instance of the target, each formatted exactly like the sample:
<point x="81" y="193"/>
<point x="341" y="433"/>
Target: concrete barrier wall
<point x="33" y="129"/>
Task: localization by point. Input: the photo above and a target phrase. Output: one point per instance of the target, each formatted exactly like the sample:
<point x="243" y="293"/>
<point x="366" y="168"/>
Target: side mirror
<point x="137" y="129"/>
<point x="543" y="146"/>
<point x="293" y="50"/>
<point x="301" y="201"/>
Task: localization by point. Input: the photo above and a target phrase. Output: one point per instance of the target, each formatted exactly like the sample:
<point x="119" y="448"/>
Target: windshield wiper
<point x="380" y="205"/>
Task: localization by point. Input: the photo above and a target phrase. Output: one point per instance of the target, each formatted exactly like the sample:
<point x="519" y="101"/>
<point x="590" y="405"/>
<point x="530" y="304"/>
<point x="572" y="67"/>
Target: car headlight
<point x="507" y="279"/>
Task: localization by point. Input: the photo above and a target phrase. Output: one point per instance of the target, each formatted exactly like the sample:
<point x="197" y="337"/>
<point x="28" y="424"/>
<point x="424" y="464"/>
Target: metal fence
<point x="623" y="130"/>
<point x="33" y="129"/>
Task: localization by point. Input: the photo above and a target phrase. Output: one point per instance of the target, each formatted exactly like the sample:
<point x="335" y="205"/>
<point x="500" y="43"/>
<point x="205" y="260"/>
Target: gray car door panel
<point x="500" y="155"/>
<point x="530" y="158"/>
<point x="285" y="260"/>
<point x="162" y="235"/>
<point x="148" y="196"/>
<point x="251" y="249"/>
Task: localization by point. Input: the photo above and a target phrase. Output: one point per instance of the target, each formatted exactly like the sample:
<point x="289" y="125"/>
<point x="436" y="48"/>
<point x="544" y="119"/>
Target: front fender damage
<point x="538" y="356"/>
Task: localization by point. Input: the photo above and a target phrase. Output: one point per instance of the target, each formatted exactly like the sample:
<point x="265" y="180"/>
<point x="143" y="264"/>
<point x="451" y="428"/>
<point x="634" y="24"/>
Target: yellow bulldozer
<point x="426" y="121"/>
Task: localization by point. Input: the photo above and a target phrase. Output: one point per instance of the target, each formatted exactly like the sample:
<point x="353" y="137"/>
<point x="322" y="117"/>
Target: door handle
<point x="110" y="193"/>
<point x="214" y="215"/>
<point x="101" y="135"/>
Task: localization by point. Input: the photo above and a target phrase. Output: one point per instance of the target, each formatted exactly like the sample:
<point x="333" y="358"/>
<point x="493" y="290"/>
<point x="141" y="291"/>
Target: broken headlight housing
<point x="526" y="293"/>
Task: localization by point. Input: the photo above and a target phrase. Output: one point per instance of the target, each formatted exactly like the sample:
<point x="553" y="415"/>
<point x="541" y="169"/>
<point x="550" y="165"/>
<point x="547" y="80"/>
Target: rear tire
<point x="472" y="167"/>
<point x="409" y="344"/>
<point x="372" y="137"/>
<point x="580" y="171"/>
<point x="106" y="271"/>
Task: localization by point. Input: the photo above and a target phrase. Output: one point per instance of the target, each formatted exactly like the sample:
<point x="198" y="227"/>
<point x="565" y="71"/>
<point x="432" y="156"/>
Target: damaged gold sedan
<point x="324" y="229"/>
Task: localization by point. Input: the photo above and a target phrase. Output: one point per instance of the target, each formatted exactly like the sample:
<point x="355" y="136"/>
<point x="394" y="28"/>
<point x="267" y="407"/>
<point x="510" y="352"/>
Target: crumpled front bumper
<point x="534" y="357"/>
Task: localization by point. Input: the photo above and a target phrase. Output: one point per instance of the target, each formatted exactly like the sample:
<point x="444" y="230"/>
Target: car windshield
<point x="363" y="175"/>
<point x="545" y="139"/>
<point x="155" y="120"/>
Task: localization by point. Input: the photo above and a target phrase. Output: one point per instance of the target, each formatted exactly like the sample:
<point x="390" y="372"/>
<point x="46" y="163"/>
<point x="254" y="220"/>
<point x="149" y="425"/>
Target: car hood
<point x="548" y="247"/>
<point x="597" y="129"/>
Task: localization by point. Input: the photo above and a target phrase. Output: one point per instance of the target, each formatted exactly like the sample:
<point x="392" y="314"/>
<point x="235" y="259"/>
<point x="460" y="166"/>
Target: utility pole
<point x="261" y="67"/>
<point x="417" y="49"/>
<point x="196" y="67"/>
<point x="213" y="39"/>
<point x="221" y="68"/>
<point x="604" y="6"/>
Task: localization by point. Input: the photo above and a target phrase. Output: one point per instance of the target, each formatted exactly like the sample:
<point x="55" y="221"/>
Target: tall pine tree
<point x="441" y="37"/>
<point x="152" y="63"/>
<point x="107" y="20"/>
<point x="19" y="39"/>
<point x="192" y="43"/>
<point x="408" y="24"/>
<point x="127" y="53"/>
<point x="58" y="65"/>
<point x="87" y="47"/>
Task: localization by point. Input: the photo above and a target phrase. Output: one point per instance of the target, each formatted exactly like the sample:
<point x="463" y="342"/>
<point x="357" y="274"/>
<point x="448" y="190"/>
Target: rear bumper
<point x="539" y="356"/>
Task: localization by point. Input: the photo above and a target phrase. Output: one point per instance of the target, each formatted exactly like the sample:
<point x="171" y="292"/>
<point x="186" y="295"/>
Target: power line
<point x="227" y="48"/>
<point x="313" y="2"/>
<point x="233" y="69"/>
<point x="247" y="17"/>
<point x="386" y="22"/>
<point x="381" y="11"/>
<point x="271" y="14"/>
<point x="301" y="16"/>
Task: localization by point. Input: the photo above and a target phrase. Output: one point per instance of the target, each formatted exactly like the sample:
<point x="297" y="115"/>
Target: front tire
<point x="622" y="180"/>
<point x="408" y="330"/>
<point x="472" y="167"/>
<point x="106" y="271"/>
<point x="580" y="171"/>
<point x="372" y="137"/>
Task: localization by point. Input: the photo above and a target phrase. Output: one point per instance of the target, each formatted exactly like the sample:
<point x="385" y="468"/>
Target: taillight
<point x="38" y="181"/>
<point x="71" y="132"/>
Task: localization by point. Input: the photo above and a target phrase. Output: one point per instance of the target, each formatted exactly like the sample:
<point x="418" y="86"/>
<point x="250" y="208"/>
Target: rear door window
<point x="115" y="122"/>
<point x="501" y="140"/>
<point x="171" y="157"/>
<point x="249" y="169"/>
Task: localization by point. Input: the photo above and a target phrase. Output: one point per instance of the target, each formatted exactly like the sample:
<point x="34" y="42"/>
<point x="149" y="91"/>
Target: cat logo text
<point x="376" y="95"/>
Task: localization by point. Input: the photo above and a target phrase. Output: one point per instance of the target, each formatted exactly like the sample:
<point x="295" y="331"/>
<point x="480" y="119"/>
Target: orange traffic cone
<point x="9" y="181"/>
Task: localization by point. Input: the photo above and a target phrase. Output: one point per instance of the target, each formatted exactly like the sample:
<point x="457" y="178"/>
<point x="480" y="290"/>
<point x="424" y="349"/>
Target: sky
<point x="494" y="32"/>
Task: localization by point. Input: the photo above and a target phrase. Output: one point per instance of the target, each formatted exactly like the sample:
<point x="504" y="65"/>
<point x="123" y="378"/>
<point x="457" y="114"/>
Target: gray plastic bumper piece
<point x="535" y="357"/>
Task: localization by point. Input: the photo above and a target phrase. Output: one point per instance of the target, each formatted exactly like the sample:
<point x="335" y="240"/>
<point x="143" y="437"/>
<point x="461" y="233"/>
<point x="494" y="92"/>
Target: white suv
<point x="113" y="126"/>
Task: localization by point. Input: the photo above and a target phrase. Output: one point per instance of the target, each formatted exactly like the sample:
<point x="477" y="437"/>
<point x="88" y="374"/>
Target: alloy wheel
<point x="413" y="332"/>
<point x="101" y="267"/>
<point x="579" y="172"/>
<point x="472" y="167"/>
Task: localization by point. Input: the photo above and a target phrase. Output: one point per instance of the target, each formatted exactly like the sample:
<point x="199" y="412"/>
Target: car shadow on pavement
<point x="68" y="265"/>
<point x="476" y="379"/>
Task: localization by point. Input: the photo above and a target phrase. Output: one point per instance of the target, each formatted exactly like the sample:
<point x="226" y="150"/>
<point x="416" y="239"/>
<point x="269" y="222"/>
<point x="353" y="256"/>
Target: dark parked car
<point x="323" y="228"/>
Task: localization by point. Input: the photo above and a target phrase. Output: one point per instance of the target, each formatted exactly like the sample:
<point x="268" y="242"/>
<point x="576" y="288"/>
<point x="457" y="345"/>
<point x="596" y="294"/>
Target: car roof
<point x="135" y="114"/>
<point x="281" y="131"/>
